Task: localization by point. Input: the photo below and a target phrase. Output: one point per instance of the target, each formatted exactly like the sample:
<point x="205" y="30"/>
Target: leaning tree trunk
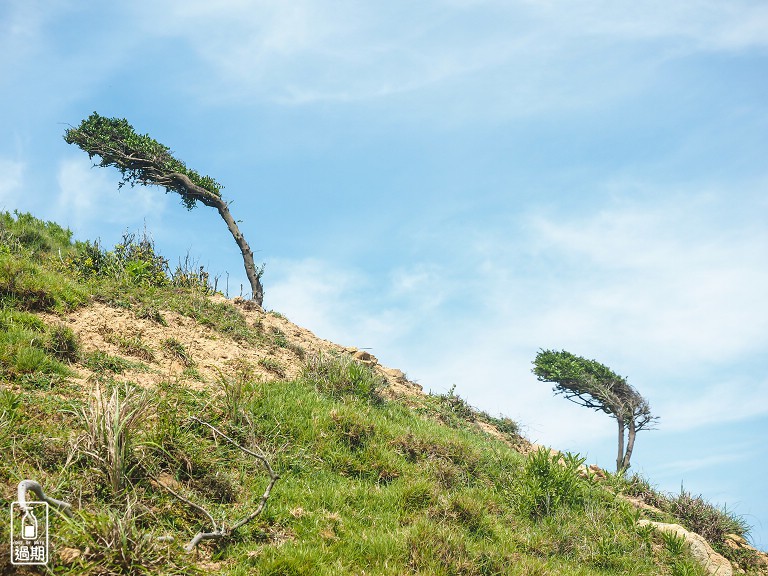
<point x="210" y="199"/>
<point x="630" y="444"/>
<point x="250" y="268"/>
<point x="620" y="457"/>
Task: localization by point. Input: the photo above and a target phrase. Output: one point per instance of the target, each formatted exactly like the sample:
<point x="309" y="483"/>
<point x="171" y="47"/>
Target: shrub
<point x="699" y="516"/>
<point x="340" y="376"/>
<point x="27" y="286"/>
<point x="133" y="261"/>
<point x="62" y="343"/>
<point x="189" y="275"/>
<point x="111" y="419"/>
<point x="25" y="232"/>
<point x="549" y="482"/>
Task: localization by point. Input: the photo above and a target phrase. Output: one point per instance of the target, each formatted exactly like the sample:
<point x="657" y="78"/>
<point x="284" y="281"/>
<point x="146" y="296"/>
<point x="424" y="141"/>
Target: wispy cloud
<point x="684" y="466"/>
<point x="520" y="56"/>
<point x="702" y="405"/>
<point x="11" y="179"/>
<point x="88" y="198"/>
<point x="346" y="306"/>
<point x="647" y="287"/>
<point x="666" y="277"/>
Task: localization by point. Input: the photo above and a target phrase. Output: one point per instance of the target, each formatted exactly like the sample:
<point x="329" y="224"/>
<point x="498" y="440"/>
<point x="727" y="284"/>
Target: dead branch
<point x="221" y="530"/>
<point x="37" y="489"/>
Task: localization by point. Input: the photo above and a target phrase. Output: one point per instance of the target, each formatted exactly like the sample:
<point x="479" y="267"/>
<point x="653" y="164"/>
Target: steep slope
<point x="114" y="372"/>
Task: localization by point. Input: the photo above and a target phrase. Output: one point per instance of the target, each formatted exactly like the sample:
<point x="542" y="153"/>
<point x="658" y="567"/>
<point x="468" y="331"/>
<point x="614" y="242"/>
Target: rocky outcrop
<point x="398" y="383"/>
<point x="736" y="542"/>
<point x="712" y="562"/>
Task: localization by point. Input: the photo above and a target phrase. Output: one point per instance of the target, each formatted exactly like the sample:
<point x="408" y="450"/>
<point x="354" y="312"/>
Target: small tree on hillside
<point x="143" y="160"/>
<point x="593" y="385"/>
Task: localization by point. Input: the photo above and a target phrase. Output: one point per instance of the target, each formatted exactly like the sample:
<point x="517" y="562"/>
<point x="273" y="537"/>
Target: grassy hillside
<point x="115" y="370"/>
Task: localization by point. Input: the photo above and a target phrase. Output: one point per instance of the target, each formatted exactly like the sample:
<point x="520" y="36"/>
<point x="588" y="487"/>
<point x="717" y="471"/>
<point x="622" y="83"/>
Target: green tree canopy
<point x="143" y="160"/>
<point x="594" y="385"/>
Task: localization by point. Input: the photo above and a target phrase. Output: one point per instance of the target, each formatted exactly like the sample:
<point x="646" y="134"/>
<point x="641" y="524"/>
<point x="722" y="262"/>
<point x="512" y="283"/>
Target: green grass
<point x="178" y="351"/>
<point x="105" y="365"/>
<point x="31" y="350"/>
<point x="367" y="485"/>
<point x="273" y="366"/>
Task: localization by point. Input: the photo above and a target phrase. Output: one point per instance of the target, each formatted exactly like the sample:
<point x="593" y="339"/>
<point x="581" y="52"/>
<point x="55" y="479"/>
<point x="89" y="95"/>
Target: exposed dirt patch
<point x="186" y="352"/>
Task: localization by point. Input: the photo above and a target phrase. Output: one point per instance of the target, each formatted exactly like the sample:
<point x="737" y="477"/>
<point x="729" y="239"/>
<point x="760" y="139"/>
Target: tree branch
<point x="222" y="531"/>
<point x="37" y="489"/>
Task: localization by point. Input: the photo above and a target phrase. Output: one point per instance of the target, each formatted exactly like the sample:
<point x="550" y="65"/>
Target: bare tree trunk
<point x="254" y="276"/>
<point x="620" y="457"/>
<point x="210" y="199"/>
<point x="630" y="444"/>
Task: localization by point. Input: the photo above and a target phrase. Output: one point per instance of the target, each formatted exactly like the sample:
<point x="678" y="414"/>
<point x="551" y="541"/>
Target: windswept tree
<point x="143" y="160"/>
<point x="593" y="385"/>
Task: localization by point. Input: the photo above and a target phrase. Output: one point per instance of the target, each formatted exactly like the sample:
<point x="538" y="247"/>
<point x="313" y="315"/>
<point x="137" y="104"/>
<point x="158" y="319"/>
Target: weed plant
<point x="111" y="420"/>
<point x="178" y="351"/>
<point x="550" y="481"/>
<point x="341" y="376"/>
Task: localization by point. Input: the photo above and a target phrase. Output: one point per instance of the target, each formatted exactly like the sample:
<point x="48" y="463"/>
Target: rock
<point x="592" y="471"/>
<point x="394" y="373"/>
<point x="597" y="471"/>
<point x="702" y="552"/>
<point x="736" y="539"/>
<point x="69" y="555"/>
<point x="247" y="304"/>
<point x="638" y="502"/>
<point x="737" y="542"/>
<point x="365" y="357"/>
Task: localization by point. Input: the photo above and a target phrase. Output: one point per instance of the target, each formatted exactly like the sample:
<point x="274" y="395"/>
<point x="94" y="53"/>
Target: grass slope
<point x="368" y="484"/>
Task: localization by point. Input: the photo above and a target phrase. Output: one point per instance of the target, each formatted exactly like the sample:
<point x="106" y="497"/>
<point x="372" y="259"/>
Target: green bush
<point x="700" y="516"/>
<point x="549" y="482"/>
<point x="28" y="286"/>
<point x="62" y="343"/>
<point x="23" y="348"/>
<point x="133" y="261"/>
<point x="340" y="376"/>
<point x="25" y="233"/>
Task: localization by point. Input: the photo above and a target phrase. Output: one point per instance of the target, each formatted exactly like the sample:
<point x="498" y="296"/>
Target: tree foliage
<point x="143" y="160"/>
<point x="594" y="385"/>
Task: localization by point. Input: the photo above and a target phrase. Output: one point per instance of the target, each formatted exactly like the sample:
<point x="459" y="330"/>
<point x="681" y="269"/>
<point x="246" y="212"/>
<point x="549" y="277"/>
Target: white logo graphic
<point x="29" y="533"/>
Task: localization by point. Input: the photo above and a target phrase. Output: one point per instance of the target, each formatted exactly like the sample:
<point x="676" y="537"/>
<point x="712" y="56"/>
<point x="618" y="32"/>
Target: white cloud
<point x="314" y="294"/>
<point x="88" y="198"/>
<point x="516" y="56"/>
<point x="663" y="292"/>
<point x="672" y="279"/>
<point x="713" y="402"/>
<point x="11" y="178"/>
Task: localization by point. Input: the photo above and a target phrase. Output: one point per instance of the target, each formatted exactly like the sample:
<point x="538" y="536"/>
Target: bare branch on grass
<point x="221" y="531"/>
<point x="35" y="487"/>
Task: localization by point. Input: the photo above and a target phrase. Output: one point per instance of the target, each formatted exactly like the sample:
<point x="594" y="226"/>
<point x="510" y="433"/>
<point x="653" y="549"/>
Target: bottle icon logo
<point x="28" y="525"/>
<point x="29" y="533"/>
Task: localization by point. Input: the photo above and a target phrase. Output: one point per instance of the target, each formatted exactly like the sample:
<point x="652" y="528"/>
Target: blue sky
<point x="454" y="185"/>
